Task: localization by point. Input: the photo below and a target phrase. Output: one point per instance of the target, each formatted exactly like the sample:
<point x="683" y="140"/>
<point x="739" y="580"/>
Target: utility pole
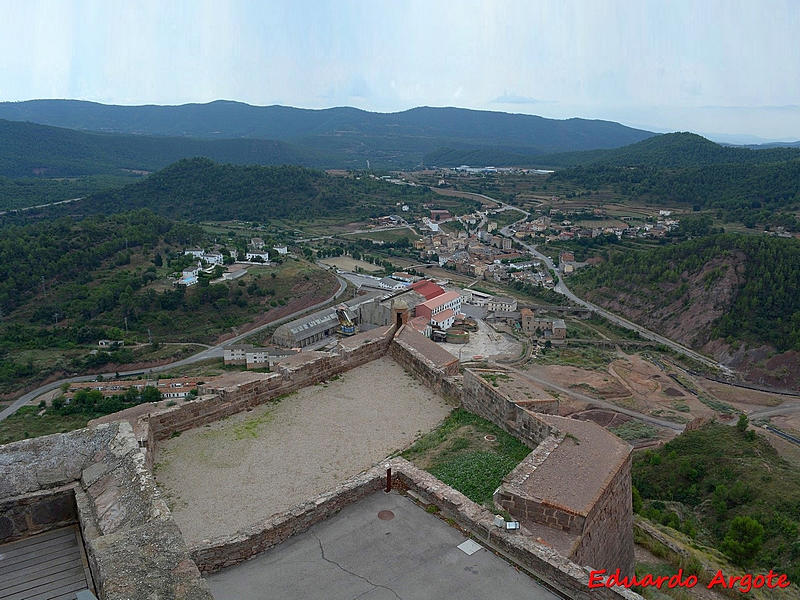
<point x="149" y="336"/>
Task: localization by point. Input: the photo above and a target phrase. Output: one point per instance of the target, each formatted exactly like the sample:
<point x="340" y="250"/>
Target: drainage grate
<point x="386" y="515"/>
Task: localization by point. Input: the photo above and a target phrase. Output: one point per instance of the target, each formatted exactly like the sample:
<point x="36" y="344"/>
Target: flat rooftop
<point x="234" y="473"/>
<point x="382" y="547"/>
<point x="578" y="470"/>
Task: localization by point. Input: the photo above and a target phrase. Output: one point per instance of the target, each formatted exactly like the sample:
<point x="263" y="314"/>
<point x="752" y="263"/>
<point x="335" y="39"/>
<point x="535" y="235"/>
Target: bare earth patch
<point x="231" y="474"/>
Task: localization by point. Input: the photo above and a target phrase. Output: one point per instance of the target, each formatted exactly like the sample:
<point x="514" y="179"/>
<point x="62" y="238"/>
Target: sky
<point x="727" y="69"/>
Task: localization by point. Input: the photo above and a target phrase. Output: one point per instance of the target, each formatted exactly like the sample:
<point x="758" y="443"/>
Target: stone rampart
<point x="607" y="540"/>
<point x="481" y="398"/>
<point x="291" y="374"/>
<point x="541" y="561"/>
<point x="443" y="381"/>
<point x="98" y="476"/>
<point x="36" y="513"/>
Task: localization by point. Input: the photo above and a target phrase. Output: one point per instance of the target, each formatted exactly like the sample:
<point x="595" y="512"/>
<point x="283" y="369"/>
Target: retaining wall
<point x="481" y="398"/>
<point x="445" y="383"/>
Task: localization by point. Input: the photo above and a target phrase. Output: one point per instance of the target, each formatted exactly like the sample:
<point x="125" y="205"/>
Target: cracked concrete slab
<point x="357" y="555"/>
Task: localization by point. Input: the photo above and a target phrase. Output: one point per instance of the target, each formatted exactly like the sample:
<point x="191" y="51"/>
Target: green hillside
<point x="763" y="306"/>
<point x="727" y="488"/>
<point x="349" y="135"/>
<point x="671" y="151"/>
<point x="199" y="189"/>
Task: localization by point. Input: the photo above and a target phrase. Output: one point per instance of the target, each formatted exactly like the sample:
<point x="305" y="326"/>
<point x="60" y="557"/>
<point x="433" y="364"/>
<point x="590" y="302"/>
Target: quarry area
<point x="229" y="474"/>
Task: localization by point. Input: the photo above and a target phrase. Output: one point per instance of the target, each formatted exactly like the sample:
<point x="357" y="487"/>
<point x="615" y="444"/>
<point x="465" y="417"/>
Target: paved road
<point x="210" y="352"/>
<point x="561" y="288"/>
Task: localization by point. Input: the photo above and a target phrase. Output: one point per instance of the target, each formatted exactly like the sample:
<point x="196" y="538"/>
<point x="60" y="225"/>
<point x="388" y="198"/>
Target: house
<point x="426" y="288"/>
<point x="501" y="303"/>
<point x="559" y="329"/>
<point x="402" y="276"/>
<point x="446" y="301"/>
<point x="282" y="250"/>
<point x="196" y="252"/>
<point x="257" y="243"/>
<point x="443" y="320"/>
<point x="215" y="258"/>
<point x="257" y="256"/>
<point x="253" y="357"/>
<point x="475" y="297"/>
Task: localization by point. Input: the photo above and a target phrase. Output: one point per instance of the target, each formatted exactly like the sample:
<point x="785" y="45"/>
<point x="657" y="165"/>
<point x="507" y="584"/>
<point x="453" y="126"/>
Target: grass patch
<point x="585" y="357"/>
<point x="26" y="423"/>
<point x="458" y="454"/>
<point x="249" y="427"/>
<point x="635" y="430"/>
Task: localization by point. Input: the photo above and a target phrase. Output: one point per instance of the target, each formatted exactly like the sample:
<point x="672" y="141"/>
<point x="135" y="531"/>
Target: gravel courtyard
<point x="220" y="478"/>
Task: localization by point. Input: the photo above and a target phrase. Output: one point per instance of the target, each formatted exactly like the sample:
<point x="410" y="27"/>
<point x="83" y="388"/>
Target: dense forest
<point x="765" y="308"/>
<point x="40" y="256"/>
<point x="199" y="189"/>
<point x="761" y="194"/>
<point x="32" y="191"/>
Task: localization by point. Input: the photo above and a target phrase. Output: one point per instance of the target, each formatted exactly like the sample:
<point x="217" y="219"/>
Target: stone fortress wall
<point x="120" y="510"/>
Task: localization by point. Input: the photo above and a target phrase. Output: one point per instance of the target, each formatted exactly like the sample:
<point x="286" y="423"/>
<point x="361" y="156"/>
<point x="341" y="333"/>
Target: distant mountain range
<point x="669" y="150"/>
<point x="28" y="149"/>
<point x="672" y="150"/>
<point x="335" y="137"/>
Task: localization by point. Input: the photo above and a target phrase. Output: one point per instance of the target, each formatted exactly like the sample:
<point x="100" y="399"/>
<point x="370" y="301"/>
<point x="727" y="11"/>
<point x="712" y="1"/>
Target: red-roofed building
<point x="448" y="300"/>
<point x="427" y="288"/>
<point x="444" y="319"/>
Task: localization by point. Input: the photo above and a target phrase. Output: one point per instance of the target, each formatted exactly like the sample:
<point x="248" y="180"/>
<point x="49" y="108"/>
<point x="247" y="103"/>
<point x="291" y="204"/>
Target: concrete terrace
<point x="381" y="547"/>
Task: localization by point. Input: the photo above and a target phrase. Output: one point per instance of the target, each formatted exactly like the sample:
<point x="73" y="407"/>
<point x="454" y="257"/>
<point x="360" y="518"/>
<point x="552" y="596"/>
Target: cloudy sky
<point x="722" y="68"/>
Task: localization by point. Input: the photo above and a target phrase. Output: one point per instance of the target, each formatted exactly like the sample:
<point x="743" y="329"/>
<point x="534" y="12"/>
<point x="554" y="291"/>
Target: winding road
<point x="210" y="352"/>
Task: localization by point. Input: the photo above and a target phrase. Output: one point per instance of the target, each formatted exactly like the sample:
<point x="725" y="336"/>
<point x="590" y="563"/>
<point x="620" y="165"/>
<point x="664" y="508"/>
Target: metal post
<point x="388" y="480"/>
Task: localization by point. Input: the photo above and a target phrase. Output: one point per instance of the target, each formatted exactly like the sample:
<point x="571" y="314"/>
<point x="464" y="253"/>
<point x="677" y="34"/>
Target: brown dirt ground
<point x="737" y="395"/>
<point x="228" y="475"/>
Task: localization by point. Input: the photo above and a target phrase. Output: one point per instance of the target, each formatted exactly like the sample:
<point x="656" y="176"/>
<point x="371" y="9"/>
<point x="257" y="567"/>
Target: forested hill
<point x="761" y="194"/>
<point x="386" y="139"/>
<point x="730" y="295"/>
<point x="199" y="189"/>
<point x="671" y="150"/>
<point x="28" y="149"/>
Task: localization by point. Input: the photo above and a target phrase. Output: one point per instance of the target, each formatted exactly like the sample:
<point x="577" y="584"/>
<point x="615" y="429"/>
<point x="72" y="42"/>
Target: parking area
<point x="384" y="547"/>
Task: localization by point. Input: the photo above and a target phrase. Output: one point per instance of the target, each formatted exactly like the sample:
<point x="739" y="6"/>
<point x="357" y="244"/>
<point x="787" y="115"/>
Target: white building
<point x="254" y="256"/>
<point x="501" y="303"/>
<point x="282" y="250"/>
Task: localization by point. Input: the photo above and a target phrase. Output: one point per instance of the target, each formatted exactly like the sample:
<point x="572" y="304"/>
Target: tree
<point x="158" y="261"/>
<point x="742" y="423"/>
<point x="150" y="394"/>
<point x="743" y="540"/>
